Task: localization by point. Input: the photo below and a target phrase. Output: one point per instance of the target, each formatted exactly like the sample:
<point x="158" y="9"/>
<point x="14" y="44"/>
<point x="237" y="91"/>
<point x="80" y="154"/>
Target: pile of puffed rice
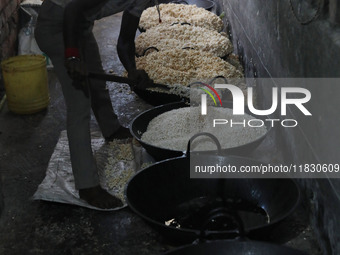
<point x="178" y="66"/>
<point x="181" y="13"/>
<point x="118" y="167"/>
<point x="177" y="36"/>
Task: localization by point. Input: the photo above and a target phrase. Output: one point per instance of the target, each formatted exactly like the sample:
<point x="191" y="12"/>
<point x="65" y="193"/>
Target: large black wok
<point x="140" y="123"/>
<point x="161" y="95"/>
<point x="235" y="248"/>
<point x="164" y="194"/>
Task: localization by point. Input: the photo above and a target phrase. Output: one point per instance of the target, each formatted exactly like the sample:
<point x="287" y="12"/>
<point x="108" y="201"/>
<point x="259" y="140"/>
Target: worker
<point x="64" y="33"/>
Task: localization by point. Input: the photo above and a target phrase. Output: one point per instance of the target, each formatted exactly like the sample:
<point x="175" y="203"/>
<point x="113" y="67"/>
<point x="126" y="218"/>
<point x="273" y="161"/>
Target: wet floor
<point x="37" y="227"/>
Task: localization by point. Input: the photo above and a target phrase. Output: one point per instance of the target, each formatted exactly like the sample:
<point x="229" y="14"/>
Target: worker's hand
<point x="142" y="79"/>
<point x="76" y="69"/>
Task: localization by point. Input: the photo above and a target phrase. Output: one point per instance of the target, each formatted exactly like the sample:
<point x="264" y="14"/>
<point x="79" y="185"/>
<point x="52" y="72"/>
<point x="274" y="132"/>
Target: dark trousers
<point x="49" y="36"/>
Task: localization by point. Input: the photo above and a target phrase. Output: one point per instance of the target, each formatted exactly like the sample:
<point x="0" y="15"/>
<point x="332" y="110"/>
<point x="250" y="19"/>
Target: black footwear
<point x="121" y="133"/>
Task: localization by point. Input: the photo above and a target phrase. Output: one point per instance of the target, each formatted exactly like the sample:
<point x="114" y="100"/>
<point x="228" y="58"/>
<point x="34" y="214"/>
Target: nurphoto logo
<point x="239" y="105"/>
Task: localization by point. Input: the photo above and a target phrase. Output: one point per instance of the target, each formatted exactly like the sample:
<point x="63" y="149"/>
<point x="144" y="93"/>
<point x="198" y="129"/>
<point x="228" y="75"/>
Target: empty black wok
<point x="235" y="248"/>
<point x="181" y="207"/>
<point x="140" y="123"/>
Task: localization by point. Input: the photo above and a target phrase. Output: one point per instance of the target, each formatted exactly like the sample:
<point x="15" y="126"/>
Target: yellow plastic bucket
<point x="26" y="83"/>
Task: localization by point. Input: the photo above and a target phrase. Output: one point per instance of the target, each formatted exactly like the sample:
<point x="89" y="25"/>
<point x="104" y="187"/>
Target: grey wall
<point x="273" y="44"/>
<point x="9" y="19"/>
<point x="8" y="27"/>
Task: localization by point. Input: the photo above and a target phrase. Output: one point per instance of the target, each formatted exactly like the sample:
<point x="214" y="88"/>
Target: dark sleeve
<point x="138" y="7"/>
<point x="126" y="41"/>
<point x="73" y="19"/>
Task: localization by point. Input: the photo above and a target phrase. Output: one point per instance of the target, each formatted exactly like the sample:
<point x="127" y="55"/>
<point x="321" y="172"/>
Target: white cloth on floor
<point x="58" y="184"/>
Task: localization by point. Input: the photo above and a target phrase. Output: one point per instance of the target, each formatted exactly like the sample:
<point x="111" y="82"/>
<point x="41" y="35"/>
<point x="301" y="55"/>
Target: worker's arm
<point x="73" y="19"/>
<point x="126" y="49"/>
<point x="73" y="24"/>
<point x="126" y="41"/>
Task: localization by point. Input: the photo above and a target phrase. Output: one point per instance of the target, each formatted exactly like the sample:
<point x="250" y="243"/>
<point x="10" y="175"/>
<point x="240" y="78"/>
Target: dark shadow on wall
<point x="298" y="39"/>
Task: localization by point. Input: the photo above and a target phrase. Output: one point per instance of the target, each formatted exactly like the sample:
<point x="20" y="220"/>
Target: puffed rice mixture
<point x="172" y="13"/>
<point x="178" y="36"/>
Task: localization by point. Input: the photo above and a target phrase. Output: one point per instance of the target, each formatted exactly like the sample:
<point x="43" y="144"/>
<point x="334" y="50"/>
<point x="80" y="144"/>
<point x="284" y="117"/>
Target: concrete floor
<point x="35" y="227"/>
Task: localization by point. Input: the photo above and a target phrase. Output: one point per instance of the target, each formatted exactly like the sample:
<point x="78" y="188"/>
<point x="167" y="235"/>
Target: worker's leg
<point x="50" y="39"/>
<point x="100" y="97"/>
